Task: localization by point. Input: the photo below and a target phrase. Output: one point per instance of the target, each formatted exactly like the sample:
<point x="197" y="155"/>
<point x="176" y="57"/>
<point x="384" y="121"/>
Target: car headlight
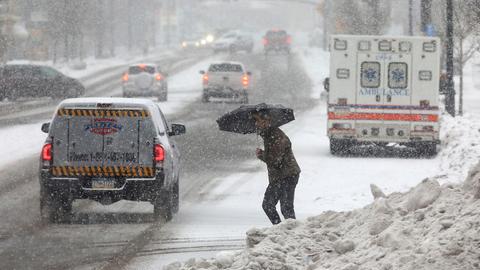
<point x="209" y="38"/>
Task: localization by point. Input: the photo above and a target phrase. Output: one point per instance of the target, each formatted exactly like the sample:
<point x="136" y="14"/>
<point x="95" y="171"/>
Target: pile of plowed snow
<point x="435" y="225"/>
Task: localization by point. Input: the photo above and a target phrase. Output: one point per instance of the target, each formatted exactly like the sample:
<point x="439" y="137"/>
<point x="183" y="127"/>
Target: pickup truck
<point x="226" y="80"/>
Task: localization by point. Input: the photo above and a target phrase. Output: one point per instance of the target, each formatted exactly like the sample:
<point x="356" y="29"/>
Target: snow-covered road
<point x="222" y="184"/>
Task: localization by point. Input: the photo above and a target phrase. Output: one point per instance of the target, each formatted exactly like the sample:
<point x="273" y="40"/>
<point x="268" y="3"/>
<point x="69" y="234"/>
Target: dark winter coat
<point x="278" y="155"/>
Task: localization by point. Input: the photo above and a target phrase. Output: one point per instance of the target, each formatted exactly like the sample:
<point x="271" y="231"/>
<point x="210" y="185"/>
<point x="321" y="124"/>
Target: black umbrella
<point x="241" y="120"/>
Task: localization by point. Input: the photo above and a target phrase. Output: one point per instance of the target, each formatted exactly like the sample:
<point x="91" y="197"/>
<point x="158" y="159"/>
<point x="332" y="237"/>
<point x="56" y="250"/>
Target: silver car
<point x="145" y="80"/>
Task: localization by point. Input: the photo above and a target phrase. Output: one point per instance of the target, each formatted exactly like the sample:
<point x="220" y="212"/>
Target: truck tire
<point x="162" y="206"/>
<point x="54" y="208"/>
<point x="176" y="197"/>
<point x="163" y="97"/>
<point x="244" y="98"/>
<point x="205" y="98"/>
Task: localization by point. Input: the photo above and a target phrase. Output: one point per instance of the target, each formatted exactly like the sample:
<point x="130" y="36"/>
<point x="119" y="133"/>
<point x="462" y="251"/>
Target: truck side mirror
<point x="249" y="73"/>
<point x="46" y="127"/>
<point x="177" y="130"/>
<point x="201" y="72"/>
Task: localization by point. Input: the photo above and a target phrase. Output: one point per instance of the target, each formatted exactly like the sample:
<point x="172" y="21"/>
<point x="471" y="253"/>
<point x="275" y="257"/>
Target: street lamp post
<point x="450" y="95"/>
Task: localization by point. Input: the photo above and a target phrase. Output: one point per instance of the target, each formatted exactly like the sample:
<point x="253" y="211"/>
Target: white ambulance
<point x="384" y="89"/>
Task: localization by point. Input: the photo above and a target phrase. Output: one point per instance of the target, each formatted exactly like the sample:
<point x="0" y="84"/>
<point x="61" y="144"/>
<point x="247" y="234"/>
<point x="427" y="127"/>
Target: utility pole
<point x="426" y="14"/>
<point x="65" y="30"/>
<point x="450" y="95"/>
<point x="326" y="12"/>
<point x="112" y="28"/>
<point x="129" y="27"/>
<point x="410" y="17"/>
<point x="168" y="28"/>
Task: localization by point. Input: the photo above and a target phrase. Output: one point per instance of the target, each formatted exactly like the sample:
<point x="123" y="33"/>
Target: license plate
<point x="103" y="184"/>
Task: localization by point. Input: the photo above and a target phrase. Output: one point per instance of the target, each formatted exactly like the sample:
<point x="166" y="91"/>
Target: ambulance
<point x="383" y="90"/>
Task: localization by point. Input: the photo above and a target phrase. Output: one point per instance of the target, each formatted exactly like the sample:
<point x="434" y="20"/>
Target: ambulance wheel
<point x="338" y="147"/>
<point x="54" y="207"/>
<point x="162" y="206"/>
<point x="427" y="149"/>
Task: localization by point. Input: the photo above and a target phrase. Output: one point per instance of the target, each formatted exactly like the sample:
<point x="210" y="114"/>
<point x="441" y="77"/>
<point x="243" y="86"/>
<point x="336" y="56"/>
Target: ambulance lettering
<point x="384" y="92"/>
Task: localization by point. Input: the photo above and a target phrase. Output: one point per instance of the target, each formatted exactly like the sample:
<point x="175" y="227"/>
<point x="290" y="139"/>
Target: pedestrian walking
<point x="283" y="170"/>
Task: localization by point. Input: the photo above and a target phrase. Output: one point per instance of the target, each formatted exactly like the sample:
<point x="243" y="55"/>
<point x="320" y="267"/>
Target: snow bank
<point x="435" y="225"/>
<point x="460" y="146"/>
<point x="383" y="235"/>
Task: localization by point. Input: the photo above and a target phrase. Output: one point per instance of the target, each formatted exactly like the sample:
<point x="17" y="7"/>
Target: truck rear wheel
<point x="163" y="97"/>
<point x="176" y="197"/>
<point x="205" y="98"/>
<point x="244" y="98"/>
<point x="54" y="208"/>
<point x="162" y="206"/>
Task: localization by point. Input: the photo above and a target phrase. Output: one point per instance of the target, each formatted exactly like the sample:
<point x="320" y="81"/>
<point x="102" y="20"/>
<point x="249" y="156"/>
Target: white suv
<point x="226" y="80"/>
<point x="145" y="80"/>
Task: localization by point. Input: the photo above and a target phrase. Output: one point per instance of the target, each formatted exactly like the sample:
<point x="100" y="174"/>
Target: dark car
<point x="36" y="81"/>
<point x="277" y="40"/>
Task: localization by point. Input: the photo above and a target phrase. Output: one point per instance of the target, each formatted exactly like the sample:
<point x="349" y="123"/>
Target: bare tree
<point x="467" y="42"/>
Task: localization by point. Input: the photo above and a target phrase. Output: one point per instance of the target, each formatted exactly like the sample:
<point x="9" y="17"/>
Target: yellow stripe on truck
<point x="103" y="113"/>
<point x="102" y="171"/>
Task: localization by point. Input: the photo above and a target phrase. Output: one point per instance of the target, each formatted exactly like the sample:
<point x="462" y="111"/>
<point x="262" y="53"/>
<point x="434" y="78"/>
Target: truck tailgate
<point x="103" y="142"/>
<point x="225" y="79"/>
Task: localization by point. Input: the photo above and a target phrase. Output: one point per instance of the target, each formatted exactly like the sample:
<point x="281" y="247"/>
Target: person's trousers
<point x="282" y="190"/>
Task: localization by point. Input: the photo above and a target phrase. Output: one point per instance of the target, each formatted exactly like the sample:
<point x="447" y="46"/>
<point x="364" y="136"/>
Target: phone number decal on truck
<point x="103" y="157"/>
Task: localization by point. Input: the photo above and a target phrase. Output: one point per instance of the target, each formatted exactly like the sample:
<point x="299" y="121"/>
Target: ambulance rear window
<point x="370" y="75"/>
<point x="397" y="75"/>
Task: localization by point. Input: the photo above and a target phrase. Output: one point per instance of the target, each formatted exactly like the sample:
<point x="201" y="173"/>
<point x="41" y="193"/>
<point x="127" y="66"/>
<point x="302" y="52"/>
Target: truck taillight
<point x="158" y="77"/>
<point x="158" y="153"/>
<point x="289" y="40"/>
<point x="205" y="79"/>
<point x="47" y="152"/>
<point x="245" y="80"/>
<point x="125" y="77"/>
